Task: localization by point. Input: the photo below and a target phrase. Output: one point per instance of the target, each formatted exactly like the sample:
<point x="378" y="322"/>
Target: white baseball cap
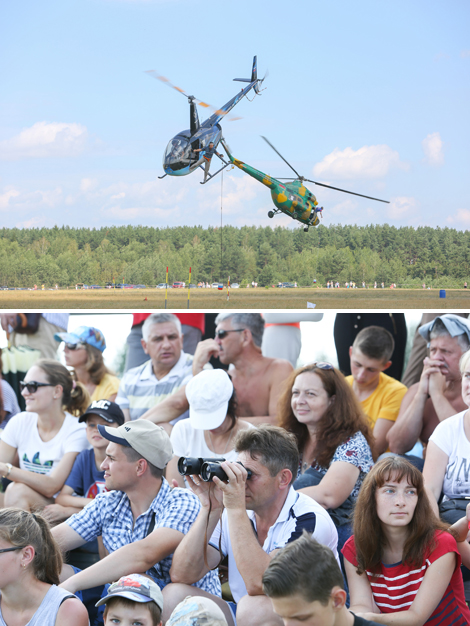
<point x="208" y="395"/>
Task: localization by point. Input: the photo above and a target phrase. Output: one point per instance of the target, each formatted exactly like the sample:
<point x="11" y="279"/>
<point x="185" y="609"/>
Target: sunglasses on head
<point x="223" y="333"/>
<point x="74" y="346"/>
<point x="12" y="549"/>
<point x="32" y="386"/>
<point x="323" y="365"/>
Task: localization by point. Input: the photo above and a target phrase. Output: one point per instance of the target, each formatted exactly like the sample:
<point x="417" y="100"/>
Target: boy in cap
<point x="140" y="518"/>
<point x="133" y="599"/>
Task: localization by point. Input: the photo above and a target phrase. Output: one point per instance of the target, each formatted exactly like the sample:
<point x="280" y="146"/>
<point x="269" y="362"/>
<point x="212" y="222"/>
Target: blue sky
<point x="369" y="96"/>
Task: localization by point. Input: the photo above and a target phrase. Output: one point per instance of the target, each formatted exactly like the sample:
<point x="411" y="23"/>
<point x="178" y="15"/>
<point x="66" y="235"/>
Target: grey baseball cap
<point x="146" y="438"/>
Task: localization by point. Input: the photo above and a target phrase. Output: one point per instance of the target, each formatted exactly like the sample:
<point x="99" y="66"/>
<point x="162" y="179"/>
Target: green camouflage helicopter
<point x="293" y="198"/>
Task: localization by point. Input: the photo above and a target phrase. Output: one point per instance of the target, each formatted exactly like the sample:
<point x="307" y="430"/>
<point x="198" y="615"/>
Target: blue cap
<point x="84" y="334"/>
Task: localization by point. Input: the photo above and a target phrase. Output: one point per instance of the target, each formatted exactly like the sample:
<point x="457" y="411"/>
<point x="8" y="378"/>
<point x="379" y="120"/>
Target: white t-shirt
<point x="298" y="513"/>
<point x="190" y="442"/>
<point x="450" y="437"/>
<point x="37" y="455"/>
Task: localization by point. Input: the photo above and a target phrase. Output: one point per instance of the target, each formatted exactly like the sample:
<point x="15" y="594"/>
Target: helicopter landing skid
<point x="209" y="176"/>
<point x="162" y="176"/>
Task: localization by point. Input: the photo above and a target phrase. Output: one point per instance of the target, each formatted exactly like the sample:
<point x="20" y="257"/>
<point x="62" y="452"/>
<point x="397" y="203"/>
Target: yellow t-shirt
<point x="385" y="401"/>
<point x="108" y="386"/>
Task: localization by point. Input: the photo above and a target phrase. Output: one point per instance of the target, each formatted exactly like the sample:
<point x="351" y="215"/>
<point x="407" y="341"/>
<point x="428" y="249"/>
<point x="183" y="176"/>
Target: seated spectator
<point x="140" y="518"/>
<point x="212" y="425"/>
<point x="247" y="519"/>
<point x="168" y="370"/>
<point x="40" y="328"/>
<point x="447" y="458"/>
<point x="31" y="563"/>
<point x="437" y="396"/>
<point x="133" y="599"/>
<point x="305" y="585"/>
<point x="320" y="409"/>
<point x="257" y="379"/>
<point x="397" y="537"/>
<point x="380" y="395"/>
<point x="47" y="436"/>
<point x="83" y="352"/>
<point x="193" y="611"/>
<point x="8" y="401"/>
<point x="86" y="480"/>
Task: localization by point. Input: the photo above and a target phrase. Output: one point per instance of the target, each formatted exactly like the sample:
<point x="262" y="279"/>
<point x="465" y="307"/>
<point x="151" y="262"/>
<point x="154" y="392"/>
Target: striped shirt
<point x="396" y="586"/>
<point x="140" y="389"/>
<point x="110" y="515"/>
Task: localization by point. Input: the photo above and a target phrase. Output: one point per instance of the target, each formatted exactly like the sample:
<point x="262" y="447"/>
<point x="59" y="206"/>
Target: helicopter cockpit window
<point x="176" y="149"/>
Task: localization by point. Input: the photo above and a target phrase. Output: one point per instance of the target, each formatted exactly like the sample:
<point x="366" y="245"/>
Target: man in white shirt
<point x="262" y="513"/>
<point x="168" y="369"/>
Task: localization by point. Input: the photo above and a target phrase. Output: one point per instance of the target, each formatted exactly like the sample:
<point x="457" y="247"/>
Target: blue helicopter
<point x="179" y="158"/>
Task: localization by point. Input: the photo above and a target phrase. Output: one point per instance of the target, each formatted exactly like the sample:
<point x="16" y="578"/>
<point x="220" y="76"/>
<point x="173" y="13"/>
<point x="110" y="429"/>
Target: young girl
<point x="47" y="437"/>
<point x="402" y="566"/>
<point x="29" y="575"/>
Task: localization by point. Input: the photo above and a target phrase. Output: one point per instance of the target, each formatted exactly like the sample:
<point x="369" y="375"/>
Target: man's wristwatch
<point x="9" y="468"/>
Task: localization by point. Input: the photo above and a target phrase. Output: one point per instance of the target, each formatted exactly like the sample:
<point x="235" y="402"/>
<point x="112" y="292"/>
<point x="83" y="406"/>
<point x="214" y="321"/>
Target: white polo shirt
<point x="300" y="512"/>
<point x="140" y="390"/>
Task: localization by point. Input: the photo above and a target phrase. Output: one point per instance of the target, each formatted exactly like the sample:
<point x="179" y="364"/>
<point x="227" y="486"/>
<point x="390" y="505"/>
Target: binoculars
<point x="205" y="468"/>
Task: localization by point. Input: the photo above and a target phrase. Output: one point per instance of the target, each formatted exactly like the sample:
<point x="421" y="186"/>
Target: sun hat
<point x="208" y="394"/>
<point x="454" y="324"/>
<point x="195" y="611"/>
<point x="134" y="587"/>
<point x="84" y="334"/>
<point x="145" y="437"/>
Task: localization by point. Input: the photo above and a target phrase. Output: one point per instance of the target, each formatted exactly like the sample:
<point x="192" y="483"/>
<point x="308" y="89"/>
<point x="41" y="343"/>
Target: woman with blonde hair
<point x="47" y="436"/>
<point x="83" y="352"/>
<point x="402" y="565"/>
<point x="29" y="575"/>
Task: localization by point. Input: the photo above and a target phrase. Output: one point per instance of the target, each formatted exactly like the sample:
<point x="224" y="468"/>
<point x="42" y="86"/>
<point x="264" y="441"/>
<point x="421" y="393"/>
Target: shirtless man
<point x="257" y="379"/>
<point x="437" y="396"/>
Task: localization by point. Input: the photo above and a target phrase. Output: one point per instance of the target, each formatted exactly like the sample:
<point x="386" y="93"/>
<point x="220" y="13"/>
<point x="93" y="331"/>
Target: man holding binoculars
<point x="247" y="518"/>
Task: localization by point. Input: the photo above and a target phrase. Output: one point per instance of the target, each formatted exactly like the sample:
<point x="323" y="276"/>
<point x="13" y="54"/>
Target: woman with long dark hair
<point x="47" y="436"/>
<point x="29" y="575"/>
<point x="402" y="565"/>
<point x="320" y="409"/>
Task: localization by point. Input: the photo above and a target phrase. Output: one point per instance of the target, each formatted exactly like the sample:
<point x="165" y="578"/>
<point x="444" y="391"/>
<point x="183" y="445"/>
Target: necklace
<point x="226" y="445"/>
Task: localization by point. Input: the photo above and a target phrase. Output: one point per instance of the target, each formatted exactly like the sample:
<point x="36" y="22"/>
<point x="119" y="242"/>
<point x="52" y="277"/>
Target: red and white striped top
<point x="395" y="588"/>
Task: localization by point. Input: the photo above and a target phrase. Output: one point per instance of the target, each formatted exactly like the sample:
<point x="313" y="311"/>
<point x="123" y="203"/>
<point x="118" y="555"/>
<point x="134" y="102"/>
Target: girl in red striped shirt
<point x="402" y="564"/>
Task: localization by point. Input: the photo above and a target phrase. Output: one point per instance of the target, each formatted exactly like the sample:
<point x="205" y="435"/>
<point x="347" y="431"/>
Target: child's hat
<point x="135" y="587"/>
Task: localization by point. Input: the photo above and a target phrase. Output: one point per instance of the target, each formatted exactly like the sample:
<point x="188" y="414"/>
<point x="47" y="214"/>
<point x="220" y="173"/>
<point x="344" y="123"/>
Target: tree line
<point x="140" y="255"/>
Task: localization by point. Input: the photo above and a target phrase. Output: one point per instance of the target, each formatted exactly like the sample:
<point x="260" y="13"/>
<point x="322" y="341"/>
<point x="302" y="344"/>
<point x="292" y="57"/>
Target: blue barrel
<point x="442" y="293"/>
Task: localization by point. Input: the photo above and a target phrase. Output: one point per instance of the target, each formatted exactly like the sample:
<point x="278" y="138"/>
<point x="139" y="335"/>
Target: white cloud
<point x="402" y="206"/>
<point x="433" y="149"/>
<point x="88" y="184"/>
<point x="462" y="216"/>
<point x="367" y="162"/>
<point x="6" y="197"/>
<point x="43" y="140"/>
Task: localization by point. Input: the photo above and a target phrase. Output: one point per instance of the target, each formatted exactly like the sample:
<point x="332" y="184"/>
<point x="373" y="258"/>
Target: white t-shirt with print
<point x="37" y="455"/>
<point x="450" y="437"/>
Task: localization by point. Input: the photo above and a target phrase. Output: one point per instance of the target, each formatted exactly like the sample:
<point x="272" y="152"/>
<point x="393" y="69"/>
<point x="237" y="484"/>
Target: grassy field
<point x="260" y="298"/>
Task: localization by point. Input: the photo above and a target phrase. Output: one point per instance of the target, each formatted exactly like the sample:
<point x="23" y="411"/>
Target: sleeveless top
<point x="48" y="609"/>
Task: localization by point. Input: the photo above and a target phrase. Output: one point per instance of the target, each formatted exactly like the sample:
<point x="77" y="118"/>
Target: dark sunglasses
<point x="74" y="346"/>
<point x="32" y="386"/>
<point x="323" y="365"/>
<point x="12" y="549"/>
<point x="223" y="333"/>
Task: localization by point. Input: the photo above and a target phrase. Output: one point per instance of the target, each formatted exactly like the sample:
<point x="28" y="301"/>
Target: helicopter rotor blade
<point x="200" y="103"/>
<point x="279" y="154"/>
<point x="345" y="191"/>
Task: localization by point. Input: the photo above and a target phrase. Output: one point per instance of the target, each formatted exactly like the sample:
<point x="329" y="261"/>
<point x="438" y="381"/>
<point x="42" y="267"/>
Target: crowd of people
<point x="214" y="484"/>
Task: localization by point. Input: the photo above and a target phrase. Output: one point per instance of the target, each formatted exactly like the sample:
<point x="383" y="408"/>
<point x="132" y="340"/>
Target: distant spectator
<point x="31" y="564"/>
<point x="83" y="351"/>
<point x="438" y="394"/>
<point x="35" y="330"/>
<point x="47" y="437"/>
<point x="320" y="409"/>
<point x="212" y="425"/>
<point x="168" y="370"/>
<point x="380" y="395"/>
